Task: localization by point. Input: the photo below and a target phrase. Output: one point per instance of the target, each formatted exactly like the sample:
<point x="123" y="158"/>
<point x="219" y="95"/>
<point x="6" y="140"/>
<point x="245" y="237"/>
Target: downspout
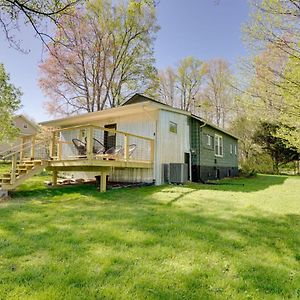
<point x="201" y="126"/>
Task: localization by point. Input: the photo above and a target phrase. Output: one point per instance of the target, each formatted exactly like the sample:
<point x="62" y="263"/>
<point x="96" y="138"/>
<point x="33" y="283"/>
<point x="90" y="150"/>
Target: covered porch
<point x="102" y="150"/>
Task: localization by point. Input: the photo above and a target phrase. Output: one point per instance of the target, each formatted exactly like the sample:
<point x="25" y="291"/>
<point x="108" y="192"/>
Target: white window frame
<point x="217" y="145"/>
<point x="231" y="149"/>
<point x="235" y="149"/>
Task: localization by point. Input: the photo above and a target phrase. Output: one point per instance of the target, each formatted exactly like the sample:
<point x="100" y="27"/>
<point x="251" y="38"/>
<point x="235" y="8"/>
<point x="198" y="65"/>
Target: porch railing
<point x="99" y="143"/>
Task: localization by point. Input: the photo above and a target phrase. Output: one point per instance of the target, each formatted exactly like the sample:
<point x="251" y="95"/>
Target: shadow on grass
<point x="246" y="185"/>
<point x="125" y="245"/>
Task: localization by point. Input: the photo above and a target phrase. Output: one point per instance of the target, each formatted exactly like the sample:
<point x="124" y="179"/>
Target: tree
<point x="167" y="87"/>
<point x="104" y="55"/>
<point x="274" y="33"/>
<point x="32" y="13"/>
<point x="217" y="96"/>
<point x="9" y="103"/>
<point x="244" y="128"/>
<point x="266" y="137"/>
<point x="190" y="73"/>
<point x="290" y="110"/>
<point x="274" y="22"/>
<point x="181" y="86"/>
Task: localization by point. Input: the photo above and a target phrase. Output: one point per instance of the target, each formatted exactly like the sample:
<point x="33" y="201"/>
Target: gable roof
<point x="213" y="126"/>
<point x="137" y="103"/>
<point x="138" y="98"/>
<point x="28" y="121"/>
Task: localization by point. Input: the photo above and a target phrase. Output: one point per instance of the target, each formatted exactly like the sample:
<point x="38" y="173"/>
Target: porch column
<point x="52" y="145"/>
<point x="89" y="144"/>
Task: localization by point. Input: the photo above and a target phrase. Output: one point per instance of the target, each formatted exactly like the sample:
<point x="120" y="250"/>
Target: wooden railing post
<point x="89" y="143"/>
<point x="22" y="149"/>
<point x="52" y="144"/>
<point x="126" y="147"/>
<point x="13" y="169"/>
<point x="32" y="153"/>
<point x="59" y="150"/>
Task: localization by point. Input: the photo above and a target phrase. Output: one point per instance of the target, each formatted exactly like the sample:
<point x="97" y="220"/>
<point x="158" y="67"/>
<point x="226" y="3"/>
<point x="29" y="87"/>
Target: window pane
<point x="173" y="127"/>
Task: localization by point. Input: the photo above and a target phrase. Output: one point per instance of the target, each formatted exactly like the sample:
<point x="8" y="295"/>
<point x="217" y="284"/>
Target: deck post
<point x="32" y="154"/>
<point x="103" y="182"/>
<point x="54" y="177"/>
<point x="89" y="144"/>
<point x="13" y="169"/>
<point x="126" y="147"/>
<point x="22" y="149"/>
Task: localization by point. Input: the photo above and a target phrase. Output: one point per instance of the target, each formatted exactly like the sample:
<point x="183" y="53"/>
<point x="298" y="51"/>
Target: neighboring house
<point x="179" y="136"/>
<point x="27" y="130"/>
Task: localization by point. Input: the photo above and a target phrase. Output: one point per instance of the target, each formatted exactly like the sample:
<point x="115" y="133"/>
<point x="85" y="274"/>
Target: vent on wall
<point x="178" y="173"/>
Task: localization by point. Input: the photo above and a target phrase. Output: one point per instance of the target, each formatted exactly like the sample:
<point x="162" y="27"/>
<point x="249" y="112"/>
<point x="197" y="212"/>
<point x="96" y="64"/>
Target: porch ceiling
<point x="89" y="118"/>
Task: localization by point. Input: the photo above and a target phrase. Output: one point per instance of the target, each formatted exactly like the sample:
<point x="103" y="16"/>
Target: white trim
<point x="217" y="143"/>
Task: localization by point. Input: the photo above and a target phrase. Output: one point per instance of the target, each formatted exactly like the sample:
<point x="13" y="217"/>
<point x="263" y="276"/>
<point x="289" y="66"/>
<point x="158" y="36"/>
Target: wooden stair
<point x="24" y="170"/>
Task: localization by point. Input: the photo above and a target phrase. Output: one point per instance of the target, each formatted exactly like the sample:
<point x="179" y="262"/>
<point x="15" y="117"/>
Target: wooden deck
<point x="96" y="164"/>
<point x="62" y="156"/>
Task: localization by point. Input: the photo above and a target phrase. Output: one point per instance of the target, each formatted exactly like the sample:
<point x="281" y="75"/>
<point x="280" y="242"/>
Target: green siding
<point x="203" y="155"/>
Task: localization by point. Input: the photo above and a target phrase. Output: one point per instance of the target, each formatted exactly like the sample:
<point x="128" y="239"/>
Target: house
<point x="134" y="142"/>
<point x="27" y="130"/>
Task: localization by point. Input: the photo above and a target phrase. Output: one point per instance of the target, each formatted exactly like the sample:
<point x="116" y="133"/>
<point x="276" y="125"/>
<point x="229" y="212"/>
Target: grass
<point x="169" y="242"/>
<point x="5" y="167"/>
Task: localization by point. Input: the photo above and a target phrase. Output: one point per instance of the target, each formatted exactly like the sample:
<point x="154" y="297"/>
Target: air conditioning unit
<point x="178" y="173"/>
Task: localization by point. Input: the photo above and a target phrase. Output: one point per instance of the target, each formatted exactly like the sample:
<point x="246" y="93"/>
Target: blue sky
<point x="200" y="28"/>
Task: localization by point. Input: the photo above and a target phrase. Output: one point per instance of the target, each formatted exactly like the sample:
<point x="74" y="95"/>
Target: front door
<point x="110" y="137"/>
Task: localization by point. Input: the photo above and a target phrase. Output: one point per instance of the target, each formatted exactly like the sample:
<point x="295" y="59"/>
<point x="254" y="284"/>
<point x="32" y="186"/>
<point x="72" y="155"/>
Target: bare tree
<point x="217" y="97"/>
<point x="33" y="13"/>
<point x="181" y="86"/>
<point x="105" y="56"/>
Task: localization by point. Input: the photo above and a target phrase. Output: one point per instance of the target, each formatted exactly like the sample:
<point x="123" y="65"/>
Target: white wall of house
<point x="170" y="146"/>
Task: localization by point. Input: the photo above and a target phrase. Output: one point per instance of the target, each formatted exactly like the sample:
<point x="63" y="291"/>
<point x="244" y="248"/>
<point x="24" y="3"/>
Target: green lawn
<point x="170" y="242"/>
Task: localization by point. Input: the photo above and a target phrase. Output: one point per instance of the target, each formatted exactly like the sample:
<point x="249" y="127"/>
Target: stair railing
<point x="15" y="154"/>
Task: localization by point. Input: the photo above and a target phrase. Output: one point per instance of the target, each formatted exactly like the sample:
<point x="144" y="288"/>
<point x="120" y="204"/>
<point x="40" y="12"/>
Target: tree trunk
<point x="276" y="166"/>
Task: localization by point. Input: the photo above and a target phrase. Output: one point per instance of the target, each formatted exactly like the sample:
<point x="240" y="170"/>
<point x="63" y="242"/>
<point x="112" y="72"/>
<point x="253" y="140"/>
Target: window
<point x="25" y="125"/>
<point x="209" y="140"/>
<point x="218" y="145"/>
<point x="235" y="149"/>
<point x="172" y="127"/>
<point x="230" y="148"/>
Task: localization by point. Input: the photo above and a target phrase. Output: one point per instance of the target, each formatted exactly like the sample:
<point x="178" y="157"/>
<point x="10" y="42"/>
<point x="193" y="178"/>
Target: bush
<point x="258" y="163"/>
